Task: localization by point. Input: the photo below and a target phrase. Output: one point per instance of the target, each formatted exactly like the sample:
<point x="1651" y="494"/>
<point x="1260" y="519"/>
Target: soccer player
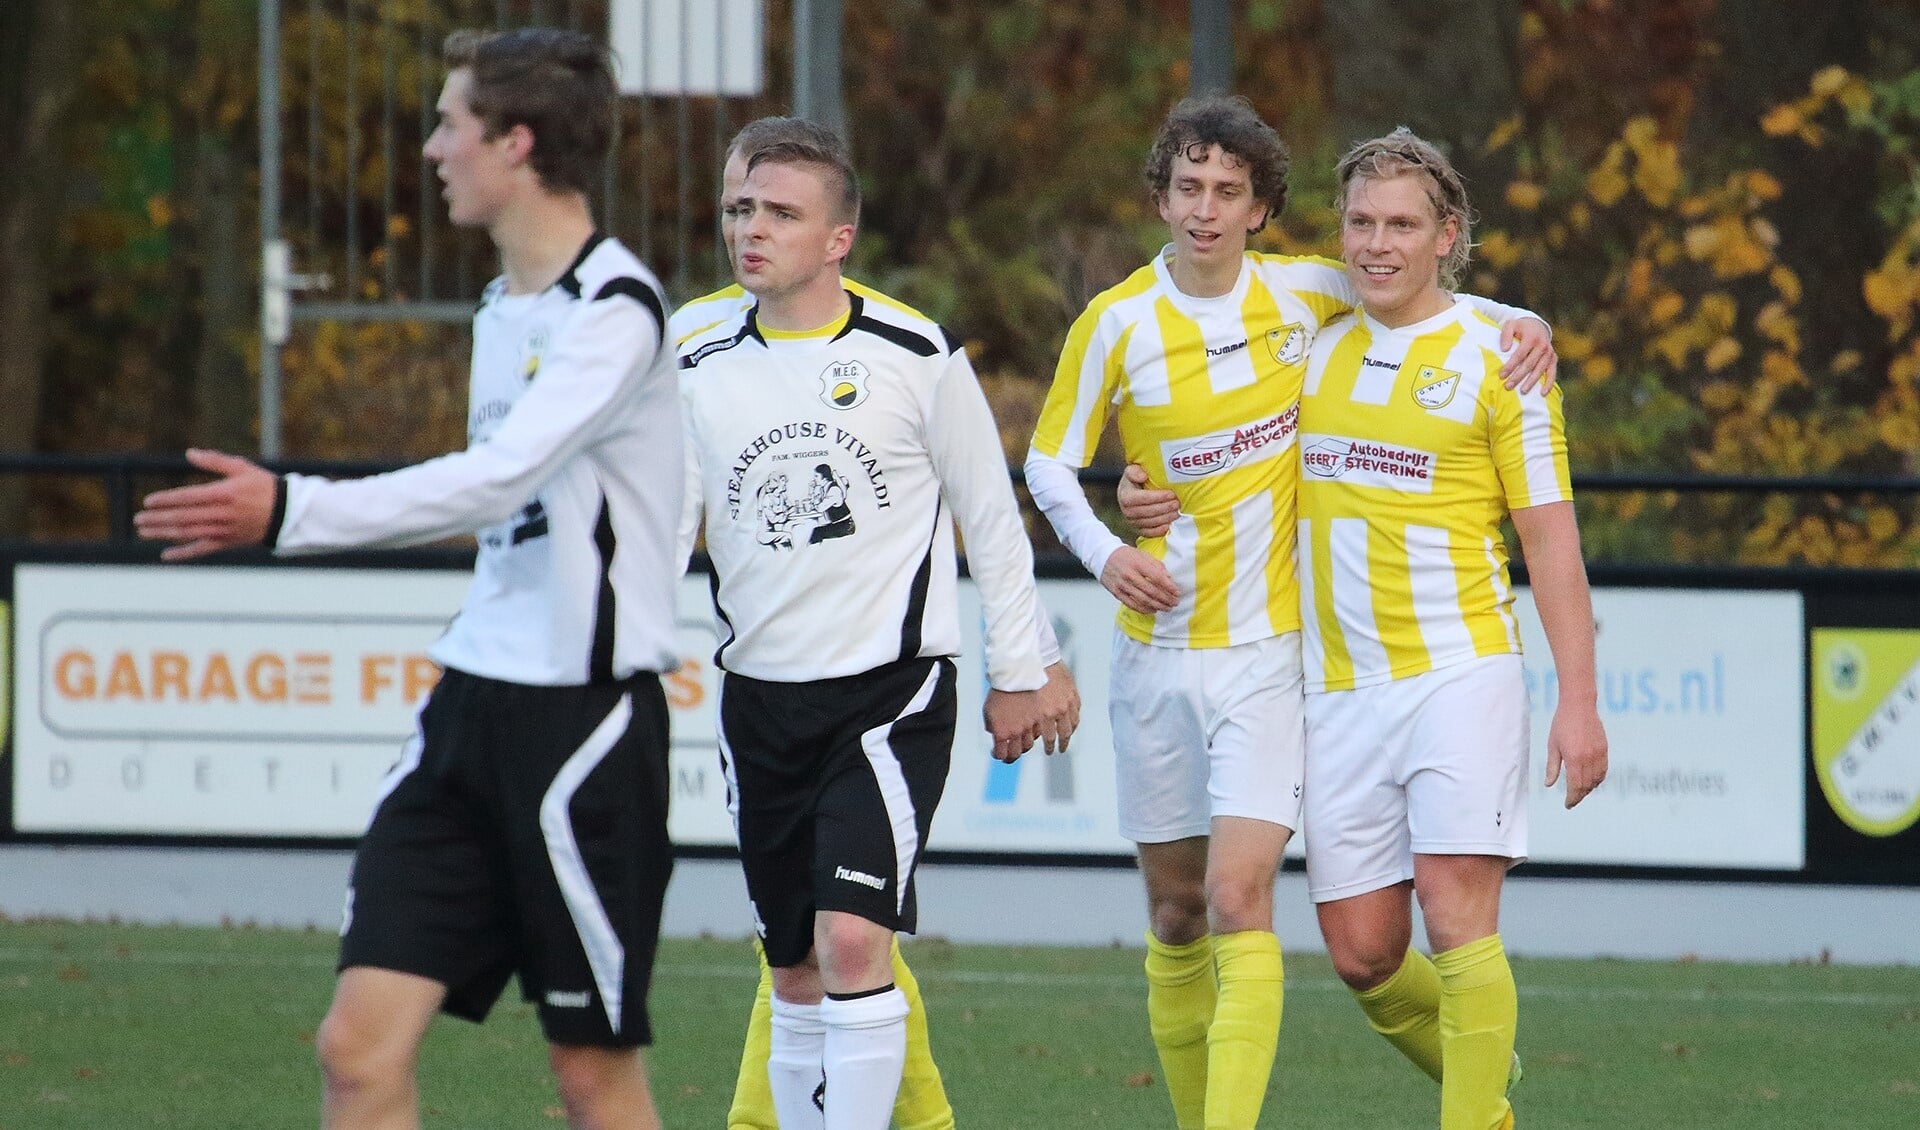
<point x="1200" y="354"/>
<point x="1416" y="710"/>
<point x="1416" y="707"/>
<point x="525" y="826"/>
<point x="922" y="1100"/>
<point x="837" y="699"/>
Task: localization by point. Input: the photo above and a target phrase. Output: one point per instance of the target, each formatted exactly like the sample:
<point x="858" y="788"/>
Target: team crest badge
<point x="1433" y="388"/>
<point x="1288" y="344"/>
<point x="536" y="345"/>
<point x="844" y="385"/>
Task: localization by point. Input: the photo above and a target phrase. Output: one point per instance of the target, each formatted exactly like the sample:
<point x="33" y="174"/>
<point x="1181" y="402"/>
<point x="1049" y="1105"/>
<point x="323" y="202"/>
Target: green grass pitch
<point x="108" y="1027"/>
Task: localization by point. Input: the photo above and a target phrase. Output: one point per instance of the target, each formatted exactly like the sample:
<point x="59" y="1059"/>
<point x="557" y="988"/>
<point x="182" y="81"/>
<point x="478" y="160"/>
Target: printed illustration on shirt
<point x="788" y="483"/>
<point x="810" y="512"/>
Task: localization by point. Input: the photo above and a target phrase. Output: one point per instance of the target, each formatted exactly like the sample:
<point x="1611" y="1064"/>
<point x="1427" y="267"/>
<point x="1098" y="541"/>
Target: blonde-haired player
<point x="1200" y="355"/>
<point x="1416" y="710"/>
<point x="1412" y="454"/>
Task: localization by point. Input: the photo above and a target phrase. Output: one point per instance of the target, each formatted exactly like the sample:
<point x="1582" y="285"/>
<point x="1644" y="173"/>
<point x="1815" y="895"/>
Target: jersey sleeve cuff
<point x="277" y="517"/>
<point x="1097" y="557"/>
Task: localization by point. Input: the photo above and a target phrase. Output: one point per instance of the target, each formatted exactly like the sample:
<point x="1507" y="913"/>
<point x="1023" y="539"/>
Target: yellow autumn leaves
<point x="1829" y="86"/>
<point x="1682" y="333"/>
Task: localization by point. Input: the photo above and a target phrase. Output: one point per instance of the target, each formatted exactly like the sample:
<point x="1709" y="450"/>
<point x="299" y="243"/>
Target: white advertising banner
<point x="1063" y="803"/>
<point x="252" y="701"/>
<point x="1703" y="693"/>
<point x="255" y="701"/>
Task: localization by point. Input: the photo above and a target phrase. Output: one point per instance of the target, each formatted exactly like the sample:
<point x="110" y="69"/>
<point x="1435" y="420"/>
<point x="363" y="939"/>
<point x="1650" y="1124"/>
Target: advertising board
<point x="269" y="702"/>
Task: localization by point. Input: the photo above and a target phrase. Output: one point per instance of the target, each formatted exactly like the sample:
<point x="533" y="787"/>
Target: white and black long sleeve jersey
<point x="830" y="470"/>
<point x="571" y="481"/>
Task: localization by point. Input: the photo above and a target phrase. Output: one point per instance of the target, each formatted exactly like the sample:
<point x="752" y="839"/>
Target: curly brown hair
<point x="1232" y="124"/>
<point x="557" y="83"/>
<point x="1404" y="153"/>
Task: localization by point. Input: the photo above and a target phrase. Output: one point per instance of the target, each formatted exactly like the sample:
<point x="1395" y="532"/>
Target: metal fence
<point x="105" y="491"/>
<point x="352" y="226"/>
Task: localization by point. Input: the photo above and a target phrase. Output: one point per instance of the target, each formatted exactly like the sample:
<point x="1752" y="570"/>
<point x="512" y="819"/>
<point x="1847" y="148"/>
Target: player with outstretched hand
<point x="524" y="829"/>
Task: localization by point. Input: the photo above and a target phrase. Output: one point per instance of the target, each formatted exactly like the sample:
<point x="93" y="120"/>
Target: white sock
<point x="866" y="1051"/>
<point x="794" y="1065"/>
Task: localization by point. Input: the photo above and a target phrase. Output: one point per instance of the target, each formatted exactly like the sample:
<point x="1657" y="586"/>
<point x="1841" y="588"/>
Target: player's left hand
<point x="227" y="513"/>
<point x="1577" y="742"/>
<point x="1059" y="708"/>
<point x="1013" y="718"/>
<point x="1533" y="360"/>
<point x="1150" y="510"/>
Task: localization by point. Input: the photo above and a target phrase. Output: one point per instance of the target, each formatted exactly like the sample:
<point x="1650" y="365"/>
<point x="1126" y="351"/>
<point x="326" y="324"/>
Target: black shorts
<point x="524" y="831"/>
<point x="835" y="784"/>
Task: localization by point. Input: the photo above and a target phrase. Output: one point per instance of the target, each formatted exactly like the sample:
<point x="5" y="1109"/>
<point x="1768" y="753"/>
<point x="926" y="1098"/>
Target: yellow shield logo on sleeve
<point x="1434" y="388"/>
<point x="1288" y="344"/>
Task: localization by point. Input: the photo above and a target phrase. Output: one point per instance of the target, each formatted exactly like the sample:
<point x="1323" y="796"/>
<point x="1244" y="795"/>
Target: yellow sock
<point x="922" y="1103"/>
<point x="1246" y="1027"/>
<point x="1180" y="1001"/>
<point x="752" y="1107"/>
<point x="1479" y="1014"/>
<point x="1405" y="1008"/>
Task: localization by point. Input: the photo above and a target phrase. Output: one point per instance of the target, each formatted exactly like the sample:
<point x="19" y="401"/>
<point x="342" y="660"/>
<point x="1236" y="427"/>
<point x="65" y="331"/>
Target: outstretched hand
<point x="230" y="512"/>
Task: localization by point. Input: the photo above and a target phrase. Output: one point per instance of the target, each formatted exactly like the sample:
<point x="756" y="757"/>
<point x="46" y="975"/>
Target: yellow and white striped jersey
<point x="707" y="311"/>
<point x="1206" y="391"/>
<point x="701" y="314"/>
<point x="1413" y="452"/>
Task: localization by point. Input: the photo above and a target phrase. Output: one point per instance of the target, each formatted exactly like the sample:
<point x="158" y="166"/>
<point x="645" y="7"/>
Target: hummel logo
<point x="860" y="877"/>
<point x="1223" y="350"/>
<point x="557" y="999"/>
<point x="1391" y="366"/>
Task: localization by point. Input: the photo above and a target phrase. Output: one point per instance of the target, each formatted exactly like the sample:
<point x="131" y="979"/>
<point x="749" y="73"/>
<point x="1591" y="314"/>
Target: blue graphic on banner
<point x="1003" y="782"/>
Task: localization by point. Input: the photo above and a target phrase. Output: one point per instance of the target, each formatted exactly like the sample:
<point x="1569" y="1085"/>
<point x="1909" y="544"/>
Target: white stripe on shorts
<point x="410" y="755"/>
<point x="893" y="788"/>
<point x="605" y="955"/>
<point x="727" y="769"/>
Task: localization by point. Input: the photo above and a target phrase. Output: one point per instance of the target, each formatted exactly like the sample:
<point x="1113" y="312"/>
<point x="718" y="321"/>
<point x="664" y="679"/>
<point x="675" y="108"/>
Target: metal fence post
<point x="1210" y="66"/>
<point x="816" y="63"/>
<point x="274" y="299"/>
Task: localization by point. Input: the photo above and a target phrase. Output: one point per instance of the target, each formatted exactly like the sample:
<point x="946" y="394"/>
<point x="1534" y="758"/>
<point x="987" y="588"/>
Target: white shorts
<point x="1206" y="732"/>
<point x="1434" y="764"/>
